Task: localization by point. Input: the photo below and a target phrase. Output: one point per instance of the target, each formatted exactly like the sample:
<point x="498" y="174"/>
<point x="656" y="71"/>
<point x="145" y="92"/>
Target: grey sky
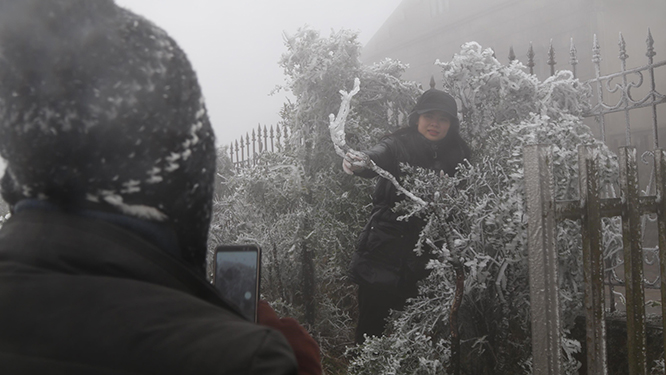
<point x="235" y="47"/>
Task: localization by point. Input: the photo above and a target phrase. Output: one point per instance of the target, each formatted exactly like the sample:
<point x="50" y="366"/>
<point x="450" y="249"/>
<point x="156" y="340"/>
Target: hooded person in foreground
<point x="110" y="170"/>
<point x="385" y="266"/>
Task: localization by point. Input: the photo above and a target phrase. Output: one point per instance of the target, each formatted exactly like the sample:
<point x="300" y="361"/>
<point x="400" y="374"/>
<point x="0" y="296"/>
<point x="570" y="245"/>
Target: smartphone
<point x="237" y="275"/>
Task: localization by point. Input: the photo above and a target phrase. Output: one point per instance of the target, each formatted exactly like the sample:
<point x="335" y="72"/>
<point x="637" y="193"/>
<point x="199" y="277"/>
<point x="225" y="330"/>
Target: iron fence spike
<point x="596" y="51"/>
<point x="530" y="58"/>
<point x="573" y="57"/>
<point x="623" y="48"/>
<point x="551" y="58"/>
<point x="650" y="46"/>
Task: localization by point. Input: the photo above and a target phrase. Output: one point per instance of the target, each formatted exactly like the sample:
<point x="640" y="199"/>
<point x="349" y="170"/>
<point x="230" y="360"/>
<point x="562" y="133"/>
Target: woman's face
<point x="434" y="125"/>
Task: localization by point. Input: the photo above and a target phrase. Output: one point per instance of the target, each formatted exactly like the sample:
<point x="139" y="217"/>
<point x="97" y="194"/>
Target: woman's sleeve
<point x="383" y="154"/>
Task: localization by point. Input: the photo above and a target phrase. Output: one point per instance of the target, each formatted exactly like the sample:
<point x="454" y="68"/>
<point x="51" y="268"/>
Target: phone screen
<point x="237" y="269"/>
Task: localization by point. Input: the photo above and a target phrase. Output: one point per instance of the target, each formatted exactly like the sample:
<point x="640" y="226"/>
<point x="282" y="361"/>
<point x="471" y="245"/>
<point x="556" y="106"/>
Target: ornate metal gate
<point x="631" y="206"/>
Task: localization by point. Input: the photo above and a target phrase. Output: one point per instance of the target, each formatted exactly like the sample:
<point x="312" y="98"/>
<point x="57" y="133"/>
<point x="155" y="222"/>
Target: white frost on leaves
<point x="136" y="210"/>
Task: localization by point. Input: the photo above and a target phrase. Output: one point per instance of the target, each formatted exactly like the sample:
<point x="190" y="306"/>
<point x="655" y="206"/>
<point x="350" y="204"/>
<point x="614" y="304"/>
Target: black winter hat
<point x="100" y="106"/>
<point x="436" y="100"/>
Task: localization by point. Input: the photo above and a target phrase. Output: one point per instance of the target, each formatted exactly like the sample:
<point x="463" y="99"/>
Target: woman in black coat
<point x="385" y="266"/>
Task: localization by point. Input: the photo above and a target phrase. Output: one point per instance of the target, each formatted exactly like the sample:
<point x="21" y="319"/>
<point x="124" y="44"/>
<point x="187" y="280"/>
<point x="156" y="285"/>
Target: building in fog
<point x="419" y="32"/>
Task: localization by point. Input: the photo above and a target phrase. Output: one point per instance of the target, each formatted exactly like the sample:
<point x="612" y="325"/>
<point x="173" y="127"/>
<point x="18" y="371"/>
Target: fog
<point x="235" y="47"/>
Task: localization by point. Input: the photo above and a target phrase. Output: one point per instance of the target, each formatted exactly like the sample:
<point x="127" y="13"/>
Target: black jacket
<point x="82" y="296"/>
<point x="385" y="256"/>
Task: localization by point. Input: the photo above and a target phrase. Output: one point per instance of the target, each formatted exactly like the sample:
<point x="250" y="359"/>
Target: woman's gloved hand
<point x="354" y="161"/>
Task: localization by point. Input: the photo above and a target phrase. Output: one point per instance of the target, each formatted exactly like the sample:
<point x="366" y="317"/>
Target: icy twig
<point x="500" y="283"/>
<point x="337" y="124"/>
<point x="337" y="129"/>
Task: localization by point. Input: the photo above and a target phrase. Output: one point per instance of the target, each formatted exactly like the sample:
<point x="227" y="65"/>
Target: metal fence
<point x="543" y="212"/>
<point x="245" y="152"/>
<point x="633" y="206"/>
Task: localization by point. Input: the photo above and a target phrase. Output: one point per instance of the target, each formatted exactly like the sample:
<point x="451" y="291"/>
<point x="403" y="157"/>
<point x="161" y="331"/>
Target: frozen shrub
<point x="478" y="216"/>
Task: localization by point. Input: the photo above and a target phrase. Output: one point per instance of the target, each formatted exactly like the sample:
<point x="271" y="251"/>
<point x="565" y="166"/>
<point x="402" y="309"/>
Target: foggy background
<point x="235" y="47"/>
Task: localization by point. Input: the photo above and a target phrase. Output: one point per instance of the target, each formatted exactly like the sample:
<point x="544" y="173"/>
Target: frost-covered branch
<point x="337" y="124"/>
<point x="337" y="129"/>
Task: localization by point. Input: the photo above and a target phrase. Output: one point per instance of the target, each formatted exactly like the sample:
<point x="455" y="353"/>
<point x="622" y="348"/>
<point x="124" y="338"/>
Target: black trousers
<point x="374" y="305"/>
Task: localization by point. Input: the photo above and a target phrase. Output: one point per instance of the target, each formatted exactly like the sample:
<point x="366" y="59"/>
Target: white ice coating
<point x="337" y="130"/>
<point x="337" y="124"/>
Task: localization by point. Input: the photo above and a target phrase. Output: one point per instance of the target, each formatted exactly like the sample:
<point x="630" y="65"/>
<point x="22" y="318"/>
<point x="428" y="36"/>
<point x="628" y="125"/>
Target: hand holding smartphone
<point x="237" y="276"/>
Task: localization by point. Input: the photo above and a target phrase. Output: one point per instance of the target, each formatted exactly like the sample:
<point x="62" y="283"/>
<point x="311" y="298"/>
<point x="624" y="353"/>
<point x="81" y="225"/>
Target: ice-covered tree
<point x="298" y="204"/>
<point x="479" y="217"/>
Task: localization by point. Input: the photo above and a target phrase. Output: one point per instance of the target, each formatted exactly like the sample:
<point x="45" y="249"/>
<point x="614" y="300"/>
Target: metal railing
<point x="632" y="206"/>
<point x="245" y="152"/>
<point x="543" y="212"/>
<point x="625" y="87"/>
